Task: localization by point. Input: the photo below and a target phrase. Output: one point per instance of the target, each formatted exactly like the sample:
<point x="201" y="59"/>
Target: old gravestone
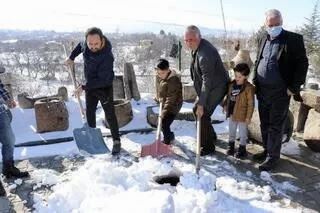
<point x="130" y="83"/>
<point x="311" y="134"/>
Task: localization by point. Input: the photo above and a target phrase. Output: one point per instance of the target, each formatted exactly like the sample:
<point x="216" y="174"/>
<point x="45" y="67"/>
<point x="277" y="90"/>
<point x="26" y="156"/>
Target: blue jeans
<point x="7" y="137"/>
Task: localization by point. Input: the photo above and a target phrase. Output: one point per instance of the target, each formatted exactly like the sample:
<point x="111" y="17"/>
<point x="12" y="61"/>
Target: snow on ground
<point x="105" y="185"/>
<point x="24" y="127"/>
<point x="9" y="41"/>
<point x="290" y="148"/>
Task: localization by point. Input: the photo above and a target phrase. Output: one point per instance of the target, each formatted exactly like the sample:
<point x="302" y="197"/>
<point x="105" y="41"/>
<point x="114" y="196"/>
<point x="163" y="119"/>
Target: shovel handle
<point x="159" y="127"/>
<point x="198" y="149"/>
<point x="71" y="70"/>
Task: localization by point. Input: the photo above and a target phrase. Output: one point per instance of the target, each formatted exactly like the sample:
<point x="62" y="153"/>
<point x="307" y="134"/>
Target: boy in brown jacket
<point x="170" y="93"/>
<point x="239" y="107"/>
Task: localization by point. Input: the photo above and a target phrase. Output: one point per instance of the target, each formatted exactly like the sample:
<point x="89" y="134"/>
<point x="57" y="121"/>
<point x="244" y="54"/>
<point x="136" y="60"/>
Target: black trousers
<point x="208" y="134"/>
<point x="105" y="96"/>
<point x="166" y="123"/>
<point x="273" y="105"/>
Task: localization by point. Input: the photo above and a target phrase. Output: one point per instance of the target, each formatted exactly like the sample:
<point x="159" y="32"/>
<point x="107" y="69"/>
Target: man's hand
<point x="199" y="111"/>
<point x="78" y="91"/>
<point x="11" y="103"/>
<point x="69" y="62"/>
<point x="289" y="93"/>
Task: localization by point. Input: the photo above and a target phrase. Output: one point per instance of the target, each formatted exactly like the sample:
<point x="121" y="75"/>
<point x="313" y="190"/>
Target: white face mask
<point x="274" y="31"/>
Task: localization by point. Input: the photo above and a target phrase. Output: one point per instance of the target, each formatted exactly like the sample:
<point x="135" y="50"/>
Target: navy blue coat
<point x="98" y="66"/>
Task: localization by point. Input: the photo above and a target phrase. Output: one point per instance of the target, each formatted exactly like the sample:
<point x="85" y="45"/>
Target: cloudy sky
<point x="112" y="15"/>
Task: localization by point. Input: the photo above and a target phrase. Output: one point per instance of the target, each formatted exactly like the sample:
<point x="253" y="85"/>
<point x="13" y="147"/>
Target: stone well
<point x="27" y="102"/>
<point x="123" y="112"/>
<point x="51" y="115"/>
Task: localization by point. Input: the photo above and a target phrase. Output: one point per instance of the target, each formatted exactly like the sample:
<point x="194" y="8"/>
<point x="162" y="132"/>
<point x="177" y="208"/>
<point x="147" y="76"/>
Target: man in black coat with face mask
<point x="280" y="70"/>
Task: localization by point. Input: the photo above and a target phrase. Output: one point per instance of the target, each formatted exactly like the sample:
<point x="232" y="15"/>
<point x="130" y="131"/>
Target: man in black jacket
<point x="210" y="82"/>
<point x="280" y="70"/>
<point x="98" y="71"/>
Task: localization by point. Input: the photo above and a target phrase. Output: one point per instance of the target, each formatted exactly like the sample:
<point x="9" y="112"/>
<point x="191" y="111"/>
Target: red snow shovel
<point x="157" y="148"/>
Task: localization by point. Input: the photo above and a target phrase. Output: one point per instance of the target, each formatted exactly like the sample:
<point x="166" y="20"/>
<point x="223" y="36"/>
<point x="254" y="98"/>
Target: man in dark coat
<point x="280" y="70"/>
<point x="210" y="82"/>
<point x="98" y="71"/>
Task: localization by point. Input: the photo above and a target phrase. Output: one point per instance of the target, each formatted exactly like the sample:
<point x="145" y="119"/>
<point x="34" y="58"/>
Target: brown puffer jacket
<point x="244" y="106"/>
<point x="170" y="92"/>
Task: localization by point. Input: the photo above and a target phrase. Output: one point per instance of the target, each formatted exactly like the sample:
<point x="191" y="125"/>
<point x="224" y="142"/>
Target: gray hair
<point x="274" y="13"/>
<point x="193" y="29"/>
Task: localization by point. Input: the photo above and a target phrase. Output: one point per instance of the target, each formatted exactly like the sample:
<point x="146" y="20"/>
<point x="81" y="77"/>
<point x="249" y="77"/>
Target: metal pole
<point x="179" y="55"/>
<point x="223" y="19"/>
<point x="225" y="29"/>
<point x="198" y="150"/>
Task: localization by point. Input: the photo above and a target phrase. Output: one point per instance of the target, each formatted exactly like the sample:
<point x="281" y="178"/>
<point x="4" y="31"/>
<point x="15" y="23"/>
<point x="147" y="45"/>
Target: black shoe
<point x="13" y="172"/>
<point x="230" y="148"/>
<point x="2" y="191"/>
<point x="261" y="156"/>
<point x="207" y="151"/>
<point x="268" y="164"/>
<point x="242" y="152"/>
<point x="116" y="148"/>
<point x="169" y="140"/>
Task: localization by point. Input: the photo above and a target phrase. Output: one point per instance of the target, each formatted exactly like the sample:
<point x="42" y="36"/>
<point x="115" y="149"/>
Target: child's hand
<point x="248" y="121"/>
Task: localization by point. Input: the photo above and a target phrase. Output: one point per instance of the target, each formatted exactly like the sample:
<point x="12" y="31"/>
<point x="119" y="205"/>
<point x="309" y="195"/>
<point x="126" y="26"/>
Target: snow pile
<point x="45" y="177"/>
<point x="103" y="185"/>
<point x="290" y="148"/>
<point x="280" y="187"/>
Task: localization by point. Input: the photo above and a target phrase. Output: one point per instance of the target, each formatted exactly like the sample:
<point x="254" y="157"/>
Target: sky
<point x="126" y="15"/>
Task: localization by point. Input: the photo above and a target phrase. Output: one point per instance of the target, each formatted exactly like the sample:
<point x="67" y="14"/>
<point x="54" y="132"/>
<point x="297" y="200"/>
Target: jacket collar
<point x="194" y="52"/>
<point x="282" y="38"/>
<point x="243" y="86"/>
<point x="170" y="75"/>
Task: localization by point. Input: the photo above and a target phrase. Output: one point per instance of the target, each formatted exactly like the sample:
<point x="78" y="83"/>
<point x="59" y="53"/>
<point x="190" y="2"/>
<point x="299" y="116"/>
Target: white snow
<point x="18" y="181"/>
<point x="24" y="127"/>
<point x="105" y="185"/>
<point x="265" y="176"/>
<point x="12" y="187"/>
<point x="101" y="185"/>
<point x="290" y="148"/>
<point x="45" y="177"/>
<point x="11" y="41"/>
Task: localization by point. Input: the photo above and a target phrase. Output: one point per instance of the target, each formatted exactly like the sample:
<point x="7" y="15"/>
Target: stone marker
<point x="51" y="115"/>
<point x="123" y="112"/>
<point x="311" y="134"/>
